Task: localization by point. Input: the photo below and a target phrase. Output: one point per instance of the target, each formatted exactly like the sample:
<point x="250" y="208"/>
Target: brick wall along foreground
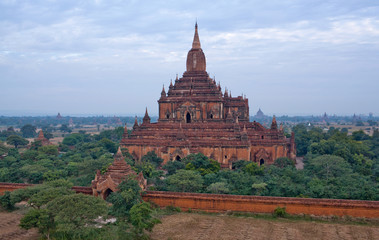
<point x="258" y="204"/>
<point x="254" y="204"/>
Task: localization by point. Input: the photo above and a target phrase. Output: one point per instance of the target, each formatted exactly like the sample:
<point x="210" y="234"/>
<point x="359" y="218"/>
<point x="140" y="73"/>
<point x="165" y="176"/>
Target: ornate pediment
<point x="188" y="104"/>
<point x="262" y="154"/>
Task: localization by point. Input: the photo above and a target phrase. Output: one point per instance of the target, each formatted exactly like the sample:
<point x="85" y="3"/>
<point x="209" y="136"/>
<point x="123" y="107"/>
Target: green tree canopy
<point x="28" y="131"/>
<point x="128" y="195"/>
<point x="283" y="162"/>
<point x="185" y="181"/>
<point x="73" y="213"/>
<point x="17" y="141"/>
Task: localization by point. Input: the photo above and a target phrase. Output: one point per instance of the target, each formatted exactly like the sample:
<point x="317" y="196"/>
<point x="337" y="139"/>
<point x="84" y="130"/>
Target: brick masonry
<point x="254" y="204"/>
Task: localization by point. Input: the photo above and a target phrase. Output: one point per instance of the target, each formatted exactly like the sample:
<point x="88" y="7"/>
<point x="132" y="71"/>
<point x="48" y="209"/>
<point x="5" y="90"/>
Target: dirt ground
<point x="185" y="226"/>
<point x="202" y="226"/>
<point x="9" y="229"/>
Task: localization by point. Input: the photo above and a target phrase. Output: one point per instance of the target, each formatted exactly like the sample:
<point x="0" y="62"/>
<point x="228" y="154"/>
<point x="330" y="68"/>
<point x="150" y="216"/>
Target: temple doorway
<point x="107" y="193"/>
<point x="261" y="162"/>
<point x="188" y="118"/>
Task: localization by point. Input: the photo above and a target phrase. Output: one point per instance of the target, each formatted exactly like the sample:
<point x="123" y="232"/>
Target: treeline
<point x="41" y="122"/>
<point x="76" y="159"/>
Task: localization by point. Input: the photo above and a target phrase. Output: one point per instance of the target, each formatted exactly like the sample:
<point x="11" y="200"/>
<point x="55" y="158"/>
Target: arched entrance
<point x="177" y="158"/>
<point x="107" y="193"/>
<point x="188" y="117"/>
<point x="261" y="162"/>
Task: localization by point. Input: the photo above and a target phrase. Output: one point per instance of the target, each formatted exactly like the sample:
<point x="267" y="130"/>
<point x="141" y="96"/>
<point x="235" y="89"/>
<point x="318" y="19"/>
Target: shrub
<point x="280" y="212"/>
<point x="173" y="209"/>
<point x="6" y="202"/>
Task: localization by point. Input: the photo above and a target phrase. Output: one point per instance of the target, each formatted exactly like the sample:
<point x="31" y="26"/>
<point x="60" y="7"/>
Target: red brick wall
<point x="13" y="186"/>
<point x="257" y="204"/>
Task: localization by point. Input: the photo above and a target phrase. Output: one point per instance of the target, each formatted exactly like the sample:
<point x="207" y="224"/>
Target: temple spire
<point x="118" y="155"/>
<point x="196" y="40"/>
<point x="40" y="135"/>
<point x="274" y="125"/>
<point x="146" y="118"/>
<point x="135" y="123"/>
<point x="125" y="134"/>
<point x="163" y="93"/>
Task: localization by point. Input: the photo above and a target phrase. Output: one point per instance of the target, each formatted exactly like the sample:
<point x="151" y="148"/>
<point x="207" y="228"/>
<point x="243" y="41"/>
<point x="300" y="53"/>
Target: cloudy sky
<point x="112" y="57"/>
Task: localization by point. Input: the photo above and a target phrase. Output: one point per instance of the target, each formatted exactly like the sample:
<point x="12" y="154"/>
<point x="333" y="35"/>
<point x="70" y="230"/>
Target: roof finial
<point x="146" y="118"/>
<point x="135" y="123"/>
<point x="125" y="134"/>
<point x="163" y="93"/>
<point x="274" y="125"/>
<point x="196" y="40"/>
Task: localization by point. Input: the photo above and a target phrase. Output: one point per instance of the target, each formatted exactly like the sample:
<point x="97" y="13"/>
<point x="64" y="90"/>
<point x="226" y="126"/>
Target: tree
<point x="258" y="188"/>
<point x="202" y="164"/>
<point x="17" y="141"/>
<point x="109" y="145"/>
<point x="47" y="195"/>
<point x="48" y="135"/>
<point x="152" y="157"/>
<point x="283" y="162"/>
<point x="6" y="201"/>
<point x="65" y="128"/>
<point x="73" y="213"/>
<point x="3" y="149"/>
<point x="141" y="219"/>
<point x="28" y="131"/>
<point x="254" y="169"/>
<point x="185" y="181"/>
<point x="173" y="166"/>
<point x="49" y="150"/>
<point x="128" y="195"/>
<point x="218" y="188"/>
<point x="41" y="219"/>
<point x="327" y="167"/>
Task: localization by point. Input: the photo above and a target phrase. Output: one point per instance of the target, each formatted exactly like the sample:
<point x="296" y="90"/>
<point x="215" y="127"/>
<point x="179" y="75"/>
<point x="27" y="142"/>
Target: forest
<point x="336" y="165"/>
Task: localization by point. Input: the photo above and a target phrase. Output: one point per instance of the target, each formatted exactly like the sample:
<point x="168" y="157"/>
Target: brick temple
<point x="195" y="116"/>
<point x="118" y="171"/>
<point x="42" y="139"/>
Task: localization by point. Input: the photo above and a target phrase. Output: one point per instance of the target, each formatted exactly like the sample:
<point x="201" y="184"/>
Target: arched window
<point x="177" y="158"/>
<point x="262" y="137"/>
<point x="188" y="118"/>
<point x="211" y="116"/>
<point x="261" y="162"/>
<point x="167" y="115"/>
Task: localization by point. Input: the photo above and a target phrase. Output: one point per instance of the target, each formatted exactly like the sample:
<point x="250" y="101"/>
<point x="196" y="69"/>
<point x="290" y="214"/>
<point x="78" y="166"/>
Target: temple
<point x="195" y="116"/>
<point x="42" y="139"/>
<point x="106" y="183"/>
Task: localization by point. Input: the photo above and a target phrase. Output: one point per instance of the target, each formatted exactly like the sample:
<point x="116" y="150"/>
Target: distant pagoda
<point x="260" y="115"/>
<point x="41" y="138"/>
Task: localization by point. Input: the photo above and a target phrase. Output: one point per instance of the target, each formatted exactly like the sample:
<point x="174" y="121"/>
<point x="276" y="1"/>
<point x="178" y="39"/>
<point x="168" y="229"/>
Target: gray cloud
<point x="288" y="57"/>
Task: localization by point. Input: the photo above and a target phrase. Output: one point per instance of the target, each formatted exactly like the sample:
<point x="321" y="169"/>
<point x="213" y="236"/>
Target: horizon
<point x="288" y="58"/>
<point x="156" y="116"/>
